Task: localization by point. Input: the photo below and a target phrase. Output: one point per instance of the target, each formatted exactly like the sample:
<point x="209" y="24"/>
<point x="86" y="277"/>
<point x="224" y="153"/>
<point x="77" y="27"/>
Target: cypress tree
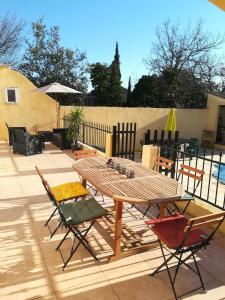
<point x="129" y="92"/>
<point x="115" y="80"/>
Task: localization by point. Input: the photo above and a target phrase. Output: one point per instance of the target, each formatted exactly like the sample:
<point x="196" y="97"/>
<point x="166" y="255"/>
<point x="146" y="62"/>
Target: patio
<point x="31" y="268"/>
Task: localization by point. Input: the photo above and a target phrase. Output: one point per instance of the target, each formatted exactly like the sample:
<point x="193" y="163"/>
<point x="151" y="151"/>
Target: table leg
<point x="118" y="225"/>
<point x="163" y="210"/>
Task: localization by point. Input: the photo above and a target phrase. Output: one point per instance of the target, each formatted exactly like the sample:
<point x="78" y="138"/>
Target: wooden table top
<point x="147" y="186"/>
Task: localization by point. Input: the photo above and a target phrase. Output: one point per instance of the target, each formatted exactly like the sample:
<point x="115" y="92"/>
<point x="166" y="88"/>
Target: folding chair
<point x="197" y="176"/>
<point x="62" y="193"/>
<point x="182" y="237"/>
<point x="74" y="214"/>
<point x="162" y="164"/>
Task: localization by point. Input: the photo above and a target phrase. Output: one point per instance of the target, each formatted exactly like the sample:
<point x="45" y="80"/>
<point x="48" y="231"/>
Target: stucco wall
<point x="190" y="122"/>
<point x="35" y="111"/>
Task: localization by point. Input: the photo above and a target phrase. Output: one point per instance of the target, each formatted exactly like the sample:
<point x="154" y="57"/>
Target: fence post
<point x="149" y="156"/>
<point x="114" y="131"/>
<point x="109" y="145"/>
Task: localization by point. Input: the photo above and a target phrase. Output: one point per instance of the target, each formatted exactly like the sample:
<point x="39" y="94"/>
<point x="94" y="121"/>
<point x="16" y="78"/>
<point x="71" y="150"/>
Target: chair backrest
<point x="47" y="187"/>
<point x="18" y="136"/>
<point x="39" y="173"/>
<point x="191" y="172"/>
<point x="163" y="164"/>
<point x="85" y="153"/>
<point x="203" y="222"/>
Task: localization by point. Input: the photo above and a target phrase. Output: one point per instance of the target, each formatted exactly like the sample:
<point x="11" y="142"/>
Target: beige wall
<point x="35" y="111"/>
<point x="190" y="122"/>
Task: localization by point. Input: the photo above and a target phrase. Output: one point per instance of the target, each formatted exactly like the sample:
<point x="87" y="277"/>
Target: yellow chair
<point x="63" y="192"/>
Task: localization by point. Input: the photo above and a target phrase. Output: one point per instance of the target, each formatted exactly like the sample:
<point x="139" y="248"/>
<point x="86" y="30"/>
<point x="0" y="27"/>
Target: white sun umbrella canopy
<point x="56" y="88"/>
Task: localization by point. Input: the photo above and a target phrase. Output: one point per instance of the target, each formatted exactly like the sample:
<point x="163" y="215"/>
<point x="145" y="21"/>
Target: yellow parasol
<point x="219" y="3"/>
<point x="171" y="121"/>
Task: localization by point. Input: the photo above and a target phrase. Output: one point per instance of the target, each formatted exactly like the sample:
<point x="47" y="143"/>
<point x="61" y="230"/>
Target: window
<point x="11" y="95"/>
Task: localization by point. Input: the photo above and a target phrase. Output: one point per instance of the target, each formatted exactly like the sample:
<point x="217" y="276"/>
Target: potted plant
<point x="75" y="118"/>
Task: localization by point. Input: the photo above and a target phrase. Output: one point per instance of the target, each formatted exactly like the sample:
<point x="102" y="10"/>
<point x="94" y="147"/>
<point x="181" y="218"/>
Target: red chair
<point x="180" y="236"/>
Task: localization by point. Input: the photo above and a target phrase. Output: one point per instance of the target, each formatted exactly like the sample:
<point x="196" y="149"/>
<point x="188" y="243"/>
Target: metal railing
<point x="211" y="189"/>
<point x="94" y="134"/>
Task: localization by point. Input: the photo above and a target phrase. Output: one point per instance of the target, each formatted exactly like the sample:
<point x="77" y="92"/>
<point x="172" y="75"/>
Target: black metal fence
<point x="162" y="137"/>
<point x="211" y="189"/>
<point x="123" y="140"/>
<point x="94" y="134"/>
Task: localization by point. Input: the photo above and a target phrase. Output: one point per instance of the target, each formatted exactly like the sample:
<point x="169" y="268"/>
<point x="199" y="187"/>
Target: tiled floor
<point x="31" y="269"/>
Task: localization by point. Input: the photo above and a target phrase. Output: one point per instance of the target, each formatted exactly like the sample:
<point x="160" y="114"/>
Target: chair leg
<point x="65" y="236"/>
<point x="172" y="281"/>
<point x="198" y="271"/>
<point x="180" y="262"/>
<point x="186" y="207"/>
<point x="81" y="240"/>
<point x="144" y="214"/>
<point x="57" y="227"/>
<point x="52" y="215"/>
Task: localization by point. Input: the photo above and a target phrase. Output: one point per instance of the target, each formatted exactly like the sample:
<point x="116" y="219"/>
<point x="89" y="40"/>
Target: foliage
<point x="106" y="81"/>
<point x="46" y="61"/>
<point x="11" y="39"/>
<point x="160" y="91"/>
<point x="183" y="65"/>
<point x="115" y="80"/>
<point x="99" y="74"/>
<point x="75" y="118"/>
<point x="129" y="92"/>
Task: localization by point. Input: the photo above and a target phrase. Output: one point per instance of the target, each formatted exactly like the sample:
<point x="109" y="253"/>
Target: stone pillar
<point x="149" y="156"/>
<point x="108" y="145"/>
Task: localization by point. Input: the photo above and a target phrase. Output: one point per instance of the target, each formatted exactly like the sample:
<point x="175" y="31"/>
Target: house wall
<point x="190" y="122"/>
<point x="35" y="111"/>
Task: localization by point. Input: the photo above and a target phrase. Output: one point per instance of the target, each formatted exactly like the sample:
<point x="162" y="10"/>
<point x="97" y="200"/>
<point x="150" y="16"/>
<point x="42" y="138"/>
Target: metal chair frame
<point x="162" y="164"/>
<point x="190" y="172"/>
<point x="192" y="224"/>
<point x="55" y="211"/>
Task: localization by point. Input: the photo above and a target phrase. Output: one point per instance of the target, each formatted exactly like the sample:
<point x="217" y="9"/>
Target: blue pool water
<point x="221" y="173"/>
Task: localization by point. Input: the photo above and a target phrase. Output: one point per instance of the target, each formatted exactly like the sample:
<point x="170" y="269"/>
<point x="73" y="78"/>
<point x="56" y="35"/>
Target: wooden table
<point x="147" y="186"/>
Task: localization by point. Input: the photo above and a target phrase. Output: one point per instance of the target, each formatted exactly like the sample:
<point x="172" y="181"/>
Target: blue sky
<point x="94" y="26"/>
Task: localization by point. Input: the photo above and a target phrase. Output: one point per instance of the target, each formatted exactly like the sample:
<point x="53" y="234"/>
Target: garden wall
<point x="190" y="122"/>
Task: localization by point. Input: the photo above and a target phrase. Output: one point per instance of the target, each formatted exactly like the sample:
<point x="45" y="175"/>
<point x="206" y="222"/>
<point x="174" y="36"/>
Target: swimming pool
<point x="221" y="173"/>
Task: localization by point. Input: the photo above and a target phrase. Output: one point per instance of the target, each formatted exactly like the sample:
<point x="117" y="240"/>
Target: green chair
<point x="72" y="215"/>
<point x="193" y="146"/>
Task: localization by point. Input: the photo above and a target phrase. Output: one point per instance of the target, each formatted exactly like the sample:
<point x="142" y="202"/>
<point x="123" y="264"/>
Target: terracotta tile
<point x="32" y="269"/>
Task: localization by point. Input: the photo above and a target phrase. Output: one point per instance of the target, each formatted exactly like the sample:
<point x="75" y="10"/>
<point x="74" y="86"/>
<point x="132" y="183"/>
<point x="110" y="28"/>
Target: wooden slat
<point x="195" y="170"/>
<point x="148" y="185"/>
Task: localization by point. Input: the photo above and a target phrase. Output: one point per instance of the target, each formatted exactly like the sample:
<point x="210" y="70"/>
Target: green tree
<point x="167" y="90"/>
<point x="115" y="80"/>
<point x="99" y="75"/>
<point x="145" y="92"/>
<point x="46" y="61"/>
<point x="129" y="92"/>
